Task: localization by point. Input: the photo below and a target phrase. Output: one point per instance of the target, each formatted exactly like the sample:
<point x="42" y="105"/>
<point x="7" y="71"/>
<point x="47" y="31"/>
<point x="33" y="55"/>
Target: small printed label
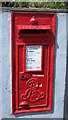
<point x="33" y="57"/>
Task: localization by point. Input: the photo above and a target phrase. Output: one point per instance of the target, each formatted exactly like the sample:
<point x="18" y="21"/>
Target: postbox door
<point x="32" y="75"/>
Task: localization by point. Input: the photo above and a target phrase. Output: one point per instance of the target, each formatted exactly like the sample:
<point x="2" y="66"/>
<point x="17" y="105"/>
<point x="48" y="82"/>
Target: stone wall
<point x="59" y="69"/>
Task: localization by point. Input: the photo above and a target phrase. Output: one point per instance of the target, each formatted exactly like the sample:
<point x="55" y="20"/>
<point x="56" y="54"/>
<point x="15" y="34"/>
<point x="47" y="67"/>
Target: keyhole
<point x="22" y="76"/>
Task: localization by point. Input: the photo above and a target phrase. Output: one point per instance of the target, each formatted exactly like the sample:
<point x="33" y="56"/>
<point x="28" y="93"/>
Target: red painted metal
<point x="32" y="90"/>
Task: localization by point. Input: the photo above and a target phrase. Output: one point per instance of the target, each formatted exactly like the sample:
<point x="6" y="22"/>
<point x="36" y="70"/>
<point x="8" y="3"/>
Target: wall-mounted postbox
<point x="33" y="41"/>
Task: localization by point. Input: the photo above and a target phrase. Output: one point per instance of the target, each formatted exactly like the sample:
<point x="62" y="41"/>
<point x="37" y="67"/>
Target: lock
<point x="25" y="76"/>
<point x="33" y="43"/>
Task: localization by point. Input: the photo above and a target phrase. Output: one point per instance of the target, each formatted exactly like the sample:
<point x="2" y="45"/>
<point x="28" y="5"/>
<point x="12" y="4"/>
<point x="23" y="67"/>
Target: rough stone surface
<point x="0" y="64"/>
<point x="66" y="82"/>
<point x="59" y="70"/>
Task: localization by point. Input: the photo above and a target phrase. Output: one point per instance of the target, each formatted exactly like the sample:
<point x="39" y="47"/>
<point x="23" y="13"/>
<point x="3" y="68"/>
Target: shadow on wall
<point x="55" y="55"/>
<point x="53" y="104"/>
<point x="66" y="85"/>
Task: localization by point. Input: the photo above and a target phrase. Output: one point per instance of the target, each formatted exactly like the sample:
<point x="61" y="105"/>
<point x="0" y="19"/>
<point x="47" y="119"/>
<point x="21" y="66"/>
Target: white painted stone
<point x="0" y="64"/>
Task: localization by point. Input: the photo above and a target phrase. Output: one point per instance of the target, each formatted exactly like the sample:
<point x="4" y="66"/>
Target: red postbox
<point x="33" y="42"/>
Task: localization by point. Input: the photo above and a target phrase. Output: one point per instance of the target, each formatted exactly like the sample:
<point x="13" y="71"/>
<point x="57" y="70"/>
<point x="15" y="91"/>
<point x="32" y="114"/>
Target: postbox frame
<point x="50" y="51"/>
